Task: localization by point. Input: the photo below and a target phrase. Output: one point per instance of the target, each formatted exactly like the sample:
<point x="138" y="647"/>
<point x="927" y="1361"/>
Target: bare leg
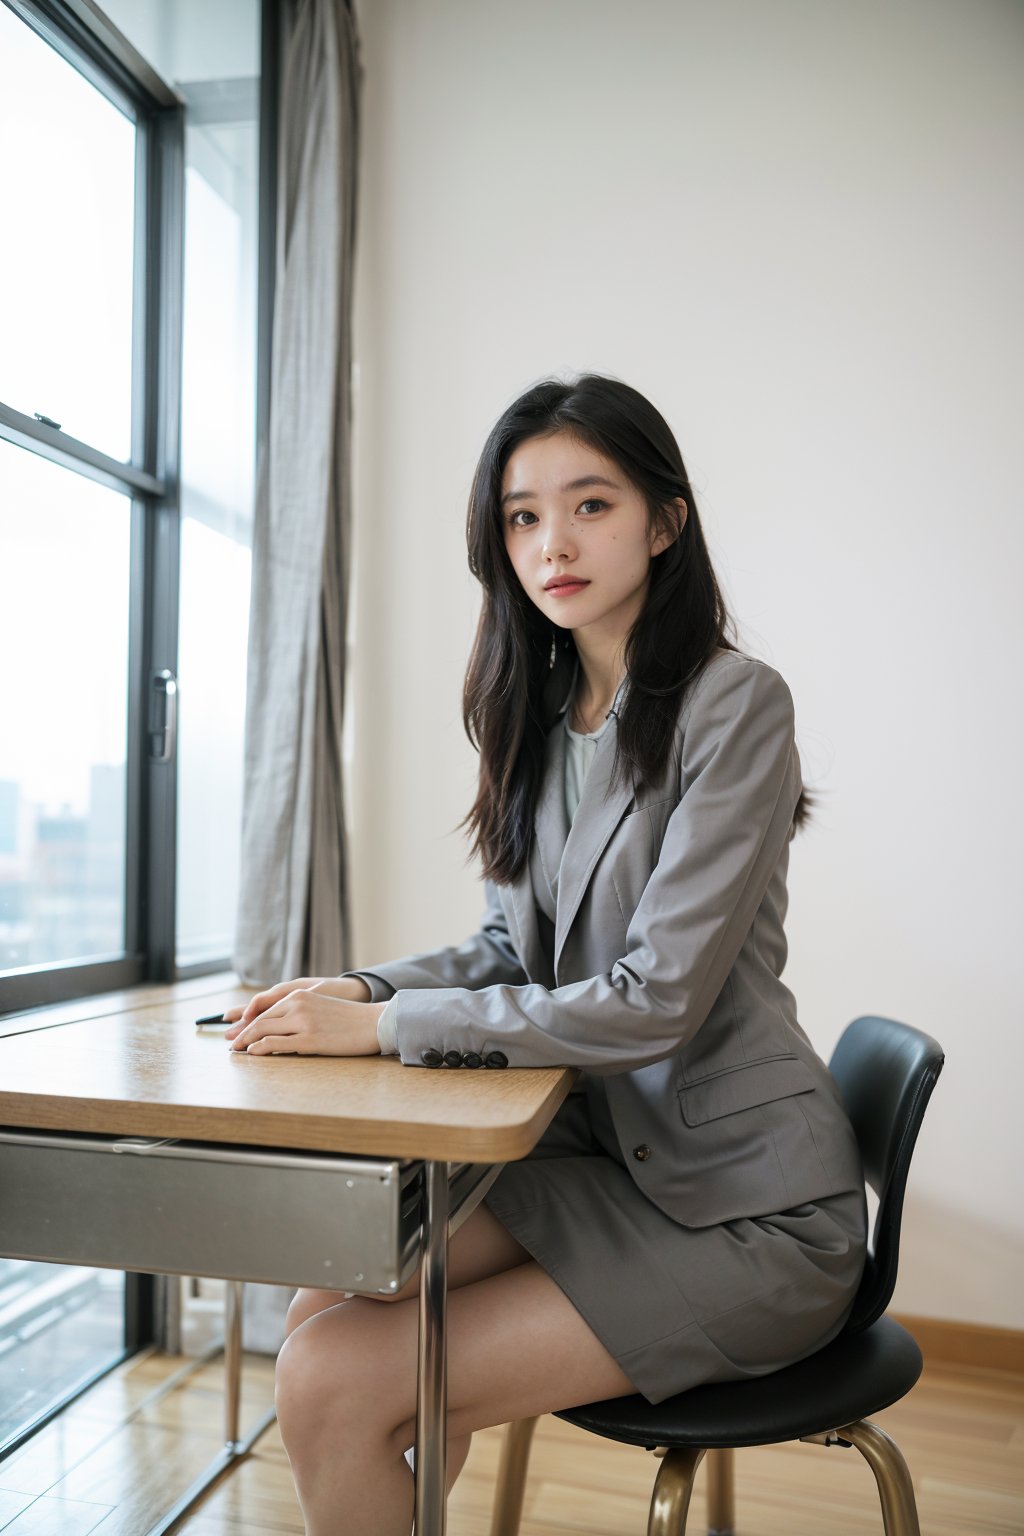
<point x="307" y="1303"/>
<point x="481" y="1247"/>
<point x="346" y="1389"/>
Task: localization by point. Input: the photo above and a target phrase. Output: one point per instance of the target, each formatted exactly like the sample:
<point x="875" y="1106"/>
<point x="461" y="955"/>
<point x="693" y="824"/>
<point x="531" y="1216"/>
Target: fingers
<point x="264" y="1000"/>
<point x="274" y="1045"/>
<point x="255" y="1006"/>
<point x="243" y="1035"/>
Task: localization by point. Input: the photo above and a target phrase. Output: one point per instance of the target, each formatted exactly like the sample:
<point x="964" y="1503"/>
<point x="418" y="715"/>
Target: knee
<point x="298" y="1388"/>
<point x="323" y="1385"/>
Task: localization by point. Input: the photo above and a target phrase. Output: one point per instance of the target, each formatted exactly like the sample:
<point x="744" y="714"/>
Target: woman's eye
<point x="592" y="502"/>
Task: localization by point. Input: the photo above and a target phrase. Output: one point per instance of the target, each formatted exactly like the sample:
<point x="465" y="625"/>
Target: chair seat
<point x="853" y="1377"/>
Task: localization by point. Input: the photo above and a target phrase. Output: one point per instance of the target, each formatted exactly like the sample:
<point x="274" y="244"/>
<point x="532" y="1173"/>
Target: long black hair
<point x="512" y="690"/>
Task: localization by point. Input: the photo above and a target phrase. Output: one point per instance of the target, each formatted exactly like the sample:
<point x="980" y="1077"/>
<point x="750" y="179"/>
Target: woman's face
<point x="569" y="513"/>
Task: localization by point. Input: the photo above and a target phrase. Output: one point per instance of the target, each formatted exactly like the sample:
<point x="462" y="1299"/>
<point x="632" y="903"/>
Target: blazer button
<point x="472" y="1059"/>
<point x="431" y="1058"/>
<point x="496" y="1059"/>
<point x="642" y="1152"/>
<point x="453" y="1058"/>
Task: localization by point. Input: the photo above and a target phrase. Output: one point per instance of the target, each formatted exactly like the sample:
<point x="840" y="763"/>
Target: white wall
<point x="797" y="226"/>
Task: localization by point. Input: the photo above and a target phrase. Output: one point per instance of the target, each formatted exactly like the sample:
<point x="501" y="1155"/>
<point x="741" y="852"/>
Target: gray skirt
<point x="677" y="1306"/>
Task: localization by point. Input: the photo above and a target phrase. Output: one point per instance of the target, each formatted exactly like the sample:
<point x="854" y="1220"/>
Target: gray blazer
<point x="662" y="974"/>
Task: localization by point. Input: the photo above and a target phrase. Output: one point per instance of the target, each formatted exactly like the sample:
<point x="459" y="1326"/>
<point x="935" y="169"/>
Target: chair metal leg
<point x="431" y="1459"/>
<point x="721" y="1493"/>
<point x="511" y="1489"/>
<point x="672" y="1489"/>
<point x="895" y="1488"/>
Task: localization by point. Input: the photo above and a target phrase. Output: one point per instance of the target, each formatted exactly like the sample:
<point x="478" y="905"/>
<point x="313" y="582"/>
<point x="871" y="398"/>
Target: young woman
<point x="696" y="1210"/>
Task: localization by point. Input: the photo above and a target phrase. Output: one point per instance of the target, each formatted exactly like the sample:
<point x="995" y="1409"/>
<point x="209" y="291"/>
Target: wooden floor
<point x="124" y="1452"/>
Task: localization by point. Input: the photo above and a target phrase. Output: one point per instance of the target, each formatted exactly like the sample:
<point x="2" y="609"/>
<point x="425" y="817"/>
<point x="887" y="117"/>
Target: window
<point x="66" y="262"/>
<point x="216" y="72"/>
<point x="61" y="1325"/>
<point x="66" y="533"/>
<point x="67" y="545"/>
<point x="128" y="311"/>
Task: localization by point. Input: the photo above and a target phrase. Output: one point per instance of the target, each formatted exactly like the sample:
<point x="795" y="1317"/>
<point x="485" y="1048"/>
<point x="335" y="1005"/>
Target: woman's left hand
<point x="309" y="1023"/>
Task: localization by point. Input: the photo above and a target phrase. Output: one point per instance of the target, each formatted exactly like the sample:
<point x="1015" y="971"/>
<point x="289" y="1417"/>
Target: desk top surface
<point x="137" y="1066"/>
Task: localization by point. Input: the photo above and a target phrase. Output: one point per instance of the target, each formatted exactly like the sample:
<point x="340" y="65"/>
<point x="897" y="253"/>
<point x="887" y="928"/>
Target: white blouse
<point x="580" y="751"/>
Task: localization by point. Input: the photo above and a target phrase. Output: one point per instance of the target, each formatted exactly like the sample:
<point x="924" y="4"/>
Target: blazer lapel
<point x="521" y="912"/>
<point x="567" y="855"/>
<point x="598" y="814"/>
<point x="536" y="887"/>
<point x="551" y="819"/>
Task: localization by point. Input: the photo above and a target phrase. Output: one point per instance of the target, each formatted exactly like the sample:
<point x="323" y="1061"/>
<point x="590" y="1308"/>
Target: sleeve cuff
<point x="387" y="1037"/>
<point x="381" y="991"/>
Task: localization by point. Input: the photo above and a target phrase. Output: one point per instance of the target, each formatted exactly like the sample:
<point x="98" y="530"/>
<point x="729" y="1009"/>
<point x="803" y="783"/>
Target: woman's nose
<point x="559" y="541"/>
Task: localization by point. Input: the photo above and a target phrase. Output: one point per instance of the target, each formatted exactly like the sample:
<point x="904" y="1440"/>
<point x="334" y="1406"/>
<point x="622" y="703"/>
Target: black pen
<point x="213" y="1018"/>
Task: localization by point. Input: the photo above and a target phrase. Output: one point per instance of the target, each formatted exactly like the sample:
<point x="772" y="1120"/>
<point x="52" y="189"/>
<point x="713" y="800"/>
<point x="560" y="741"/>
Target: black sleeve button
<point x="453" y="1058"/>
<point x="472" y="1059"/>
<point x="642" y="1152"/>
<point x="431" y="1058"/>
<point x="496" y="1059"/>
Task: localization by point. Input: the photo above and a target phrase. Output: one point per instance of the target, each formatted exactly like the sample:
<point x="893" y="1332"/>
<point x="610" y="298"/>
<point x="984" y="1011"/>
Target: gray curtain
<point x="293" y="906"/>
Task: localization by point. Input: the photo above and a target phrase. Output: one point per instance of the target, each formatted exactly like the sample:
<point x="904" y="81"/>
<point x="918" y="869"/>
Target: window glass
<point x="217" y="454"/>
<point x="66" y="264"/>
<point x="211" y="717"/>
<point x="217" y="464"/>
<point x="64" y="701"/>
<point x="59" y="1323"/>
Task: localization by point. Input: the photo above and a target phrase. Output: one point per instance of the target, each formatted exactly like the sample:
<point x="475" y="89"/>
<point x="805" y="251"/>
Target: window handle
<point x="163" y="730"/>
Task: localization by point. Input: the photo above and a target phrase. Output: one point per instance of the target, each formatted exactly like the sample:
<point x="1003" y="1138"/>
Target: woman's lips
<point x="566" y="589"/>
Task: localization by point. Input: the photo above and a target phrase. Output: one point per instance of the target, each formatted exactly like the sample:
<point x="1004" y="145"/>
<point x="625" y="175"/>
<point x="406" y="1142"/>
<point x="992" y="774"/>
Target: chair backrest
<point x="886" y="1072"/>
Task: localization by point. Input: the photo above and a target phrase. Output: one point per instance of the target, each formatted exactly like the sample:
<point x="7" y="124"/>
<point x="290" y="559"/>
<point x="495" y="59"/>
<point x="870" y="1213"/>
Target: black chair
<point x="886" y="1072"/>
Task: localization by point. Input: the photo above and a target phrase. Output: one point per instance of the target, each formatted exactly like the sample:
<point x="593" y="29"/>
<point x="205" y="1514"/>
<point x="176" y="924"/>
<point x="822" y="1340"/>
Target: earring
<point x="551" y="661"/>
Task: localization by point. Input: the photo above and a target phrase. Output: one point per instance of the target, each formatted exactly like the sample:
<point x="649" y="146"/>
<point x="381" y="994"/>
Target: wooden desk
<point x="136" y="1077"/>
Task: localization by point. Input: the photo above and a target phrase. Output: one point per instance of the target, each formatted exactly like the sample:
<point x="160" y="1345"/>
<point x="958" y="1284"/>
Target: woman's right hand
<point x="351" y="989"/>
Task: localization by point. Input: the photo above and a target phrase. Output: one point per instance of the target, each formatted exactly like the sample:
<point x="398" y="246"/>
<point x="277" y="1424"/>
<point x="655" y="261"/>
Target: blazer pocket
<point x="649" y="805"/>
<point x="726" y="1093"/>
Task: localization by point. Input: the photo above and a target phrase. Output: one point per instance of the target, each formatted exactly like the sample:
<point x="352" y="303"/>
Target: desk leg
<point x="234" y="1299"/>
<point x="432" y="1373"/>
